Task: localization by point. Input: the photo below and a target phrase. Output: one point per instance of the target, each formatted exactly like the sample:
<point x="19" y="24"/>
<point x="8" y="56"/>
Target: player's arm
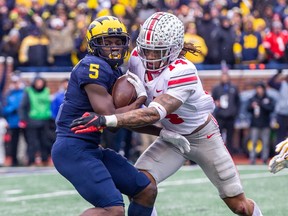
<point x="161" y="106"/>
<point x="102" y="102"/>
<point x="157" y="110"/>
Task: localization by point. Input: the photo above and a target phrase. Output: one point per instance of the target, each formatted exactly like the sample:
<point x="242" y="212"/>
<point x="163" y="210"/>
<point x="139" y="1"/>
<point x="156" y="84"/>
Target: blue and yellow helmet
<point x="104" y="27"/>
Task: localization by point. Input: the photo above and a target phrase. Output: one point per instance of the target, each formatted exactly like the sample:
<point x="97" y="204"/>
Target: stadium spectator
<point x="61" y="36"/>
<point x="36" y="8"/>
<point x="35" y="113"/>
<point x="224" y="40"/>
<point x="6" y="66"/>
<point x="191" y="36"/>
<point x="80" y="39"/>
<point x="5" y="22"/>
<point x="175" y="98"/>
<point x="57" y="100"/>
<point x="227" y="103"/>
<point x="12" y="101"/>
<point x="10" y="45"/>
<point x="34" y="49"/>
<point x="186" y="14"/>
<point x="58" y="97"/>
<point x="207" y="29"/>
<point x="260" y="106"/>
<point x="236" y="20"/>
<point x="249" y="49"/>
<point x="275" y="42"/>
<point x="281" y="8"/>
<point x="280" y="83"/>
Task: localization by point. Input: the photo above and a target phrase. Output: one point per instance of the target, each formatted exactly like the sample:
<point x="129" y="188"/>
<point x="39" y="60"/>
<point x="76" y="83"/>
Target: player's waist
<point x="201" y="126"/>
<point x="187" y="127"/>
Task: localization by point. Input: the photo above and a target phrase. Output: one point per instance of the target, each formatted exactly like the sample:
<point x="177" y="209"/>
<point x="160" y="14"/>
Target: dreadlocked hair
<point x="189" y="47"/>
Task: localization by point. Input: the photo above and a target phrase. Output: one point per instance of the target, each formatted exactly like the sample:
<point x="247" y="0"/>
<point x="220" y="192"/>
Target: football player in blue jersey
<point x="99" y="175"/>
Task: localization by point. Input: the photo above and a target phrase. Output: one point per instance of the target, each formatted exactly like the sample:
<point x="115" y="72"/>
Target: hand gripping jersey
<point x="180" y="79"/>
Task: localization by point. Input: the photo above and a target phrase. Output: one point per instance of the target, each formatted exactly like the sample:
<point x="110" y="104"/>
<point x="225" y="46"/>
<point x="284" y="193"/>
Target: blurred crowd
<point x="52" y="32"/>
<point x="229" y="33"/>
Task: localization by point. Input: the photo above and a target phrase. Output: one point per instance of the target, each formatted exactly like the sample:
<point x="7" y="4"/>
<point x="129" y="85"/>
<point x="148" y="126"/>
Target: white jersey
<point x="180" y="79"/>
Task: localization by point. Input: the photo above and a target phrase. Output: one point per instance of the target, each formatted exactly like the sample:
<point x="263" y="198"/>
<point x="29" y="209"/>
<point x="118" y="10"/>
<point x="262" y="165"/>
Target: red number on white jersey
<point x="174" y="118"/>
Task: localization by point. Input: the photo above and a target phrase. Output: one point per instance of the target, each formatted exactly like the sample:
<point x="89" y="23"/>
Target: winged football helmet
<point x="102" y="28"/>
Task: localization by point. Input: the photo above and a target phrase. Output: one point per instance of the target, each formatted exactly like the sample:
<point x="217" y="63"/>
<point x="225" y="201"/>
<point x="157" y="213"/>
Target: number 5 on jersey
<point x="94" y="71"/>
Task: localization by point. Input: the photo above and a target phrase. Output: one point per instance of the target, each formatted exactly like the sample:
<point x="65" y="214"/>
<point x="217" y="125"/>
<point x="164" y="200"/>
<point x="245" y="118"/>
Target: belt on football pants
<point x="201" y="126"/>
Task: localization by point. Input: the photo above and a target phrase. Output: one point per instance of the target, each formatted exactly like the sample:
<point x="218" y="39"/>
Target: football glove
<point x="282" y="149"/>
<point x="279" y="161"/>
<point x="89" y="122"/>
<point x="176" y="139"/>
<point x="137" y="83"/>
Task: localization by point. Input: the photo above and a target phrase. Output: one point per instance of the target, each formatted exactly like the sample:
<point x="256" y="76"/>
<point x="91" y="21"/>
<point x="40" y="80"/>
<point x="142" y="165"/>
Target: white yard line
<point x="205" y="180"/>
<point x="161" y="185"/>
<point x="39" y="196"/>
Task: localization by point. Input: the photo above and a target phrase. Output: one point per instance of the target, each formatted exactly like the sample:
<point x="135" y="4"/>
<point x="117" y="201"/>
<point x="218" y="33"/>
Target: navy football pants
<point x="99" y="175"/>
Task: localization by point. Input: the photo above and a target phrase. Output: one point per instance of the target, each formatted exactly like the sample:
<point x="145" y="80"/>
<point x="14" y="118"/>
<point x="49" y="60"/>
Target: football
<point x="123" y="92"/>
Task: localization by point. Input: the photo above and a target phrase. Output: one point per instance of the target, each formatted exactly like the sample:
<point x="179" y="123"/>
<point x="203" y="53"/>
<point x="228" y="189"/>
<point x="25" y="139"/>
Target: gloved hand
<point x="175" y="139"/>
<point x="282" y="147"/>
<point x="89" y="122"/>
<point x="137" y="83"/>
<point x="276" y="164"/>
<point x="279" y="161"/>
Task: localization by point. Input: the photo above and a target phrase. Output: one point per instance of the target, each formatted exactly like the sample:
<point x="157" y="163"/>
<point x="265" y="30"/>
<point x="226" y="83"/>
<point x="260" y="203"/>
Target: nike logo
<point x="209" y="136"/>
<point x="158" y="91"/>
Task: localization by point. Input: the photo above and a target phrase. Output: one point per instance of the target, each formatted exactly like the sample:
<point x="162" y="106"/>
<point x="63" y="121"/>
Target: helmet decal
<point x="161" y="35"/>
<point x="151" y="26"/>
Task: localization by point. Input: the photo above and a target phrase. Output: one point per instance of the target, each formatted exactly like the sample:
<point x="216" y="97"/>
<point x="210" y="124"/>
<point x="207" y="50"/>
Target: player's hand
<point x="282" y="149"/>
<point x="176" y="139"/>
<point x="89" y="122"/>
<point x="279" y="161"/>
<point x="137" y="83"/>
<point x="276" y="164"/>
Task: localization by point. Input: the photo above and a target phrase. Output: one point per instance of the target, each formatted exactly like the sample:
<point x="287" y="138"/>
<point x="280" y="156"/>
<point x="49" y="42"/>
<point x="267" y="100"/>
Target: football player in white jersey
<point x="279" y="161"/>
<point x="176" y="98"/>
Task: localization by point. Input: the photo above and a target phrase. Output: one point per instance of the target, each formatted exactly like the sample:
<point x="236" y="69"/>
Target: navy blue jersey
<point x="90" y="70"/>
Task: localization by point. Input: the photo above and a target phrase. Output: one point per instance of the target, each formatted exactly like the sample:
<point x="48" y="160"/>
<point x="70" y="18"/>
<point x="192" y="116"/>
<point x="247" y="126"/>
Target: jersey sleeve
<point x="93" y="71"/>
<point x="183" y="81"/>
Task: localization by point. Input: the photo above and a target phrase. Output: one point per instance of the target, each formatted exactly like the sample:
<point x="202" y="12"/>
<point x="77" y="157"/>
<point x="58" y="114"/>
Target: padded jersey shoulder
<point x="94" y="70"/>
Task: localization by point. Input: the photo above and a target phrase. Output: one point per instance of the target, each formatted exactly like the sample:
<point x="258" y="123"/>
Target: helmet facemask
<point x="155" y="59"/>
<point x="114" y="54"/>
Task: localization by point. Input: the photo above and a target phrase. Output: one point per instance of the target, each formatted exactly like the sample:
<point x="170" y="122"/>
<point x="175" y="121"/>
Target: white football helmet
<point x="163" y="34"/>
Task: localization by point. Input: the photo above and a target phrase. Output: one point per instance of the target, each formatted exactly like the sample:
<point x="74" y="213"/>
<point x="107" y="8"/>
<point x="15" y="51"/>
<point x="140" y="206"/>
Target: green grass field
<point x="43" y="192"/>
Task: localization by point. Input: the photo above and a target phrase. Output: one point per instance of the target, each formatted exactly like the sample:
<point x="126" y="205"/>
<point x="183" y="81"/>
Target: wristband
<point x="111" y="121"/>
<point x="160" y="109"/>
